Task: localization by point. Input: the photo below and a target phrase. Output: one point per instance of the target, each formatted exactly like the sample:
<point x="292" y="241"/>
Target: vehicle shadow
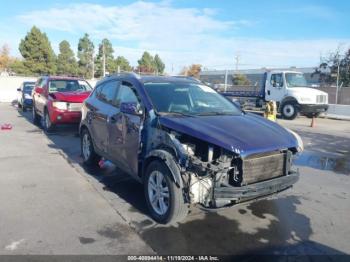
<point x="263" y="227"/>
<point x="274" y="226"/>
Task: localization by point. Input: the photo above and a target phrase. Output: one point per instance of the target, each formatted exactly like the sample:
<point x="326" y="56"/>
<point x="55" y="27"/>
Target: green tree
<point x="85" y="56"/>
<point x="328" y="69"/>
<point x="17" y="66"/>
<point x="37" y="52"/>
<point x="160" y="66"/>
<point x="105" y="48"/>
<point x="345" y="69"/>
<point x="240" y="80"/>
<point x="146" y="63"/>
<point x="5" y="58"/>
<point x="123" y="64"/>
<point x="66" y="62"/>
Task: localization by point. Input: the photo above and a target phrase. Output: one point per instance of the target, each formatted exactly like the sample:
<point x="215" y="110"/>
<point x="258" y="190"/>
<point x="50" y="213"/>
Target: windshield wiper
<point x="175" y="114"/>
<point x="215" y="114"/>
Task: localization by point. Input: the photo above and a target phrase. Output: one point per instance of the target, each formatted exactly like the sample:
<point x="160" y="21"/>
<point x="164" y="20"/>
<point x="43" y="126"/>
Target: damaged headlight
<point x="189" y="149"/>
<point x="300" y="147"/>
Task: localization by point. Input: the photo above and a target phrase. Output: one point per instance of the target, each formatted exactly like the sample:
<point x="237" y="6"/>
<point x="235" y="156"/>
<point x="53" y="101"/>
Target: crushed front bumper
<point x="65" y="117"/>
<point x="257" y="190"/>
<point x="316" y="108"/>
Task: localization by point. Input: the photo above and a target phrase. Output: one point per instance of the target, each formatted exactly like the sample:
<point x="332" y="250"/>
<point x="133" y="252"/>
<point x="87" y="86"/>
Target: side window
<point x="43" y="82"/>
<point x="38" y="83"/>
<point x="107" y="91"/>
<point x="97" y="90"/>
<point x="126" y="94"/>
<point x="277" y="80"/>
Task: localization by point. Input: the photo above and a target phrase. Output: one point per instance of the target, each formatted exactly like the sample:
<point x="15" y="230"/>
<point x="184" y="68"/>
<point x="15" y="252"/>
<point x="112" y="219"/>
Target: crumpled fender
<point x="170" y="162"/>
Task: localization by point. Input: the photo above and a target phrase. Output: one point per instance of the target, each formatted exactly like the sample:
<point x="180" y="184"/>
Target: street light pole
<point x="336" y="94"/>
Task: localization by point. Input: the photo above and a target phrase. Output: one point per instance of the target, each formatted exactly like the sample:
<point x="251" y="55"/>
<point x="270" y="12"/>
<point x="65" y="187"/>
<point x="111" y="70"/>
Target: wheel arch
<point x="168" y="159"/>
<point x="83" y="127"/>
<point x="286" y="100"/>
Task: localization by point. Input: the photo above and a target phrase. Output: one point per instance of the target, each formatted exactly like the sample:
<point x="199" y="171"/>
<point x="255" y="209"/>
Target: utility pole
<point x="237" y="61"/>
<point x="226" y="72"/>
<point x="336" y="93"/>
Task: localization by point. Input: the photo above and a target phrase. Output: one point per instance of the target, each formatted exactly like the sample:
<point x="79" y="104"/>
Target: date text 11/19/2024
<point x="173" y="258"/>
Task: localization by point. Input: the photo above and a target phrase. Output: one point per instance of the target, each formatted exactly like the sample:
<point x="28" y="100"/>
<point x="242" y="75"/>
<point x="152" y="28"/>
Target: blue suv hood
<point x="244" y="134"/>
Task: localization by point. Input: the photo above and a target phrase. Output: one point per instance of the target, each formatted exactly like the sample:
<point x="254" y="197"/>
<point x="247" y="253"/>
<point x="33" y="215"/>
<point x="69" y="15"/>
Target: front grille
<point x="321" y="99"/>
<point x="260" y="168"/>
<point x="74" y="106"/>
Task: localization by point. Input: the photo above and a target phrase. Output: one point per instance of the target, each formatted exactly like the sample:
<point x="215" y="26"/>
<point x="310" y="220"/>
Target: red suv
<point x="58" y="100"/>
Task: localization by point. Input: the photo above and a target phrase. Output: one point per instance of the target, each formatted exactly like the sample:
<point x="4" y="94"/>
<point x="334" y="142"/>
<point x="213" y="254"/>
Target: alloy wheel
<point x="158" y="192"/>
<point x="86" y="146"/>
<point x="47" y="121"/>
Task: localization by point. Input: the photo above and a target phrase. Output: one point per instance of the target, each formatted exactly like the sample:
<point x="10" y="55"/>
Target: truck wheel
<point x="259" y="102"/>
<point x="164" y="198"/>
<point x="289" y="110"/>
<point x="87" y="149"/>
<point x="47" y="124"/>
<point x="36" y="117"/>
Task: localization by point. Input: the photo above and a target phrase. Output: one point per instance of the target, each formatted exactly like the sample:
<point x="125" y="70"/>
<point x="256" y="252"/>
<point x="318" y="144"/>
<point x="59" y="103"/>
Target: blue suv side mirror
<point x="132" y="108"/>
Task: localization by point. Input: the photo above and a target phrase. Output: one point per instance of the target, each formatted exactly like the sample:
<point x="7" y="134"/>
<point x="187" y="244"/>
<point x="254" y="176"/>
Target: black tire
<point x="177" y="209"/>
<point x="47" y="124"/>
<point x="93" y="158"/>
<point x="259" y="102"/>
<point x="36" y="117"/>
<point x="289" y="110"/>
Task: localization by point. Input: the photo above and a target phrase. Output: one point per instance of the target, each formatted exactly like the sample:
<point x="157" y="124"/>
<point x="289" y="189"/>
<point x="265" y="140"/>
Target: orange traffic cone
<point x="313" y="122"/>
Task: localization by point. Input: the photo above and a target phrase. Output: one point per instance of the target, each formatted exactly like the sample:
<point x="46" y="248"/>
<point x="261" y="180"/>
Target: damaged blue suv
<point x="186" y="143"/>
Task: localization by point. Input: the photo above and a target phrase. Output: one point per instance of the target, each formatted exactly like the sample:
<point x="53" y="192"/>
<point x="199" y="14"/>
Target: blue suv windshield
<point x="188" y="99"/>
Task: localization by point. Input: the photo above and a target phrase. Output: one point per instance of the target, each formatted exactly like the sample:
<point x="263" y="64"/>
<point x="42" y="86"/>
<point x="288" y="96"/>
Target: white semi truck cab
<point x="291" y="92"/>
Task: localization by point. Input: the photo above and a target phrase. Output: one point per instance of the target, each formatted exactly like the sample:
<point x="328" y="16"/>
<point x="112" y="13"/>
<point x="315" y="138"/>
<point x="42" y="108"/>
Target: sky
<point x="217" y="34"/>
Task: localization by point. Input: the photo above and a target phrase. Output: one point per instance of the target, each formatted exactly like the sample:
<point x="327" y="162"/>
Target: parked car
<point x="186" y="143"/>
<point x="58" y="100"/>
<point x="24" y="97"/>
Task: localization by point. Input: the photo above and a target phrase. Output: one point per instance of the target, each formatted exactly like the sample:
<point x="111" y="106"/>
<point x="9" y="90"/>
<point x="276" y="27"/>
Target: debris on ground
<point x="6" y="127"/>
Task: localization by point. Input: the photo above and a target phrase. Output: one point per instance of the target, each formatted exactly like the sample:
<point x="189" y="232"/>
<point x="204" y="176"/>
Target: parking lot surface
<point x="52" y="204"/>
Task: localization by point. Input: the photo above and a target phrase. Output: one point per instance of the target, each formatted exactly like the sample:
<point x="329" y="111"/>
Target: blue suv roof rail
<point x="129" y="74"/>
<point x="188" y="77"/>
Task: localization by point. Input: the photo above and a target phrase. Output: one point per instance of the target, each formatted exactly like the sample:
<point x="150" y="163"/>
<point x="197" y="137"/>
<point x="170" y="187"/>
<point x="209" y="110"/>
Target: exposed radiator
<point x="264" y="167"/>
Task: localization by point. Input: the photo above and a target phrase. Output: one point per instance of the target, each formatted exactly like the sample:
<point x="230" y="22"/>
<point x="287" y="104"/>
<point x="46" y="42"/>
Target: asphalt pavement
<point x="52" y="204"/>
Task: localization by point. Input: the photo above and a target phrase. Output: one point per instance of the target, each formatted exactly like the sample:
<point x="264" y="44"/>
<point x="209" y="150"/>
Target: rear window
<point x="68" y="86"/>
<point x="27" y="88"/>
